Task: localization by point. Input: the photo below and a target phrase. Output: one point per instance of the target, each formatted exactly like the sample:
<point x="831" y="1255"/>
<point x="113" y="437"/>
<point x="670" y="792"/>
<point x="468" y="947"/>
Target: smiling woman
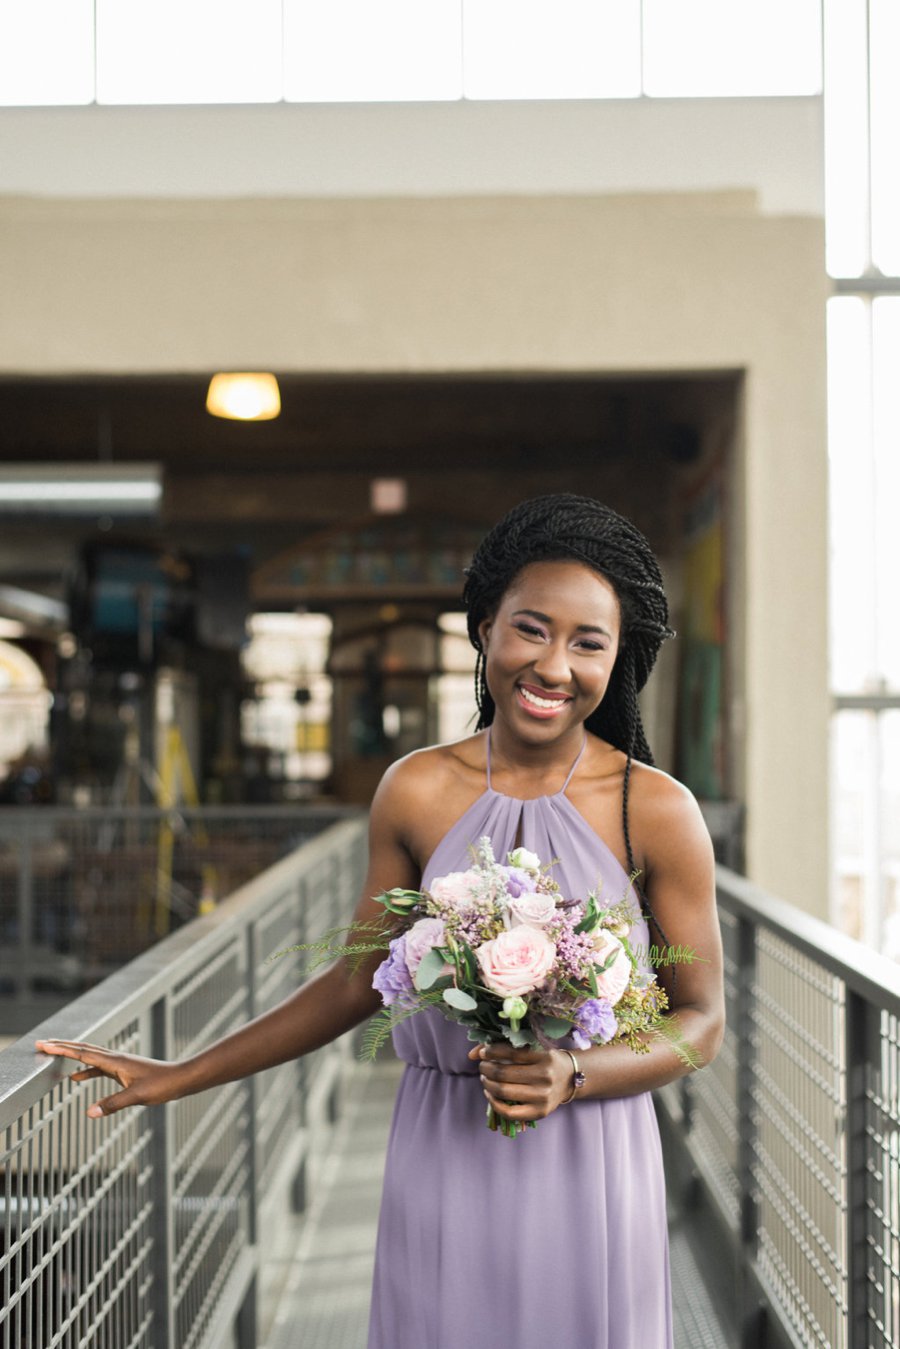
<point x="559" y="1236"/>
<point x="554" y="640"/>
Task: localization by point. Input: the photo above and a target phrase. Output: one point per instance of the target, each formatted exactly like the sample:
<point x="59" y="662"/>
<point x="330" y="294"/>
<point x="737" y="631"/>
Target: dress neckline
<point x="544" y="796"/>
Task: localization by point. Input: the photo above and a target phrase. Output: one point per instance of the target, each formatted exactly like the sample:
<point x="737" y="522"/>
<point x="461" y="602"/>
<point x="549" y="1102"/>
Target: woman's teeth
<point x="535" y="701"/>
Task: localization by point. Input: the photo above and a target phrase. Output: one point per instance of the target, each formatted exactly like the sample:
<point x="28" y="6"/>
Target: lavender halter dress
<point x="555" y="1238"/>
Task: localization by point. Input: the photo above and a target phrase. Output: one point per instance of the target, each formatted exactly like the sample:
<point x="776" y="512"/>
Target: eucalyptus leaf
<point x="458" y="998"/>
<point x="555" y="1028"/>
<point x="431" y="967"/>
<point x="519" y="1039"/>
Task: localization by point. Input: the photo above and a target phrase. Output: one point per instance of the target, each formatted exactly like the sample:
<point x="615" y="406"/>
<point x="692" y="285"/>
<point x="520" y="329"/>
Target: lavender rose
<point x="421" y="938"/>
<point x="392" y="978"/>
<point x="595" y="1021"/>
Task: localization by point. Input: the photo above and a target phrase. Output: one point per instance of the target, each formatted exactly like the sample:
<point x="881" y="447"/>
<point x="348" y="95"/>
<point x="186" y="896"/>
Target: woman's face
<point x="550" y="648"/>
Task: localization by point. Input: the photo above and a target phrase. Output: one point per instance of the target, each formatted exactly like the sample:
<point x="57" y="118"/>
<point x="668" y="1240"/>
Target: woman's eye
<point x="529" y="630"/>
<point x="591" y="646"/>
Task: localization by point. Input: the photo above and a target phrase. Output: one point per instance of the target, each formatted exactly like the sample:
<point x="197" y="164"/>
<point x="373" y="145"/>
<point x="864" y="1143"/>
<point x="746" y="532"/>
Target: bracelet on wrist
<point x="578" y="1077"/>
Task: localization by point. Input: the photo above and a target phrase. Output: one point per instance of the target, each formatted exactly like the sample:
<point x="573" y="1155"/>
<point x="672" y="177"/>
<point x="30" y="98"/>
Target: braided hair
<point x="565" y="527"/>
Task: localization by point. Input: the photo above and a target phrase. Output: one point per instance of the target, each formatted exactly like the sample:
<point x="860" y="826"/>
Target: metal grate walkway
<point x="318" y="1295"/>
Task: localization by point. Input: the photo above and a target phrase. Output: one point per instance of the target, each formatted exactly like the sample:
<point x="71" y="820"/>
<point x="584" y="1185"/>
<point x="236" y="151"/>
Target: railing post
<point x="862" y="1049"/>
<point x="247" y="1322"/>
<point x="161" y="1154"/>
<point x="749" y="1313"/>
<point x="300" y="1181"/>
<point x="25" y="902"/>
<point x="251" y="1088"/>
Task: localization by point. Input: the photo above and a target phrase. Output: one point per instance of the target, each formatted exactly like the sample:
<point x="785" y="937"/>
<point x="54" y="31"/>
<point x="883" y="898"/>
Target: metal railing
<point x="147" y="1230"/>
<point x="788" y="1144"/>
<point x="84" y="891"/>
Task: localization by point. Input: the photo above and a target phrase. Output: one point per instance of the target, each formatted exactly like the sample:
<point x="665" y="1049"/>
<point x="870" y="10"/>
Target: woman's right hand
<point x="143" y="1081"/>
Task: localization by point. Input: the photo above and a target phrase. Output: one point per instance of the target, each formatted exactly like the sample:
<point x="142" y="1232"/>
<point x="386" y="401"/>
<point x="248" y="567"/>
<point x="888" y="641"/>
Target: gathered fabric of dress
<point x="556" y="1237"/>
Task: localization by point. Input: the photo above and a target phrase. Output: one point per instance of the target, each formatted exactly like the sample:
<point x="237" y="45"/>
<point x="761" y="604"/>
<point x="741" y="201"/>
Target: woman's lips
<point x="540" y="703"/>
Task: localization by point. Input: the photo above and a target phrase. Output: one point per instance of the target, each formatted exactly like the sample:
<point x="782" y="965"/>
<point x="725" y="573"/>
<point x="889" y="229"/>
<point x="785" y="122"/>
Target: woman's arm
<point x="322" y="1009"/>
<point x="680" y="886"/>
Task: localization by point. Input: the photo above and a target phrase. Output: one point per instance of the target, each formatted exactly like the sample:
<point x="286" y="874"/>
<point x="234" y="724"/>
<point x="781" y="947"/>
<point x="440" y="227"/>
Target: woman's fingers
<point x="111" y="1105"/>
<point x="92" y="1055"/>
<point x="65" y="1046"/>
<point x="505" y="1053"/>
<point x="71" y="1049"/>
<point x="535" y="1073"/>
<point x="143" y="1081"/>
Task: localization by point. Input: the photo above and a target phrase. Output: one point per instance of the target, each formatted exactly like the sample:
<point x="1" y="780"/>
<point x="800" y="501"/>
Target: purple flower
<point x="595" y="1020"/>
<point x="518" y="882"/>
<point x="392" y="979"/>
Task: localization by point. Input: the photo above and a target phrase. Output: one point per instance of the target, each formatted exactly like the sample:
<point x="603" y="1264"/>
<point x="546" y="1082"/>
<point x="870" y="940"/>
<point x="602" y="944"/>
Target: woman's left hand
<point x="523" y="1084"/>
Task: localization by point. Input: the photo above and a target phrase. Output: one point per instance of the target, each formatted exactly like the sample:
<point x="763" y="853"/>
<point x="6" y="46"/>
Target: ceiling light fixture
<point x="244" y="396"/>
<point x="80" y="489"/>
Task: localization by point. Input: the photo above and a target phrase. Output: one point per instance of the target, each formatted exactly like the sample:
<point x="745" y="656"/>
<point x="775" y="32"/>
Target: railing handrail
<point x="25" y="1076"/>
<point x="865" y="971"/>
<point x="299" y="810"/>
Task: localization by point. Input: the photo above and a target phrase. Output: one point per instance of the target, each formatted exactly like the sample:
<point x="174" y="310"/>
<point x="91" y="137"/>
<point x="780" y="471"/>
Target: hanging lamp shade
<point x="244" y="396"/>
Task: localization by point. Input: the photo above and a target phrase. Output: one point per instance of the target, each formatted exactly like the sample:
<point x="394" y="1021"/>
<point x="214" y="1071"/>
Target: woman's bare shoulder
<point x="422" y="794"/>
<point x="665" y="813"/>
<point x="451" y="768"/>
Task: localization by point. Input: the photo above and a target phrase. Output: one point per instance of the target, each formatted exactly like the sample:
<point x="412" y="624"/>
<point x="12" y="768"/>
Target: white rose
<point x="534" y="908"/>
<point x="525" y="860"/>
<point x="612" y="982"/>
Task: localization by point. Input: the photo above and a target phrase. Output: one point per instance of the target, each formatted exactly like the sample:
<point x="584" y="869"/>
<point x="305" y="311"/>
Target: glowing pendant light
<point x="244" y="396"/>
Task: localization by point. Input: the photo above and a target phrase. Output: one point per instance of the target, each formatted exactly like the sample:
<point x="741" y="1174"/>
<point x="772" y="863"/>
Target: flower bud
<point x="514" y="1009"/>
<point x="400" y="901"/>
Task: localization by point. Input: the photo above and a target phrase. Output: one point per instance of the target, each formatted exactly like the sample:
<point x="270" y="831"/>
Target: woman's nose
<point x="552" y="665"/>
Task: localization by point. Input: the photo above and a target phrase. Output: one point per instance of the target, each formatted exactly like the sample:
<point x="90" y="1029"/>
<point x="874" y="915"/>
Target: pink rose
<point x="612" y="982"/>
<point x="457" y="888"/>
<point x="533" y="908"/>
<point x="517" y="961"/>
<point x="421" y="938"/>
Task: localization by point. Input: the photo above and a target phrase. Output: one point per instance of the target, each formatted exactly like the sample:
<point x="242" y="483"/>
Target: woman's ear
<point x="484" y="631"/>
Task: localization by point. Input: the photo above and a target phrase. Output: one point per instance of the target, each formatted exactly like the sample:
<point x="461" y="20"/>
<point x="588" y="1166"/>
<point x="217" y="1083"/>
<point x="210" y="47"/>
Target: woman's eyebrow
<point x="545" y="618"/>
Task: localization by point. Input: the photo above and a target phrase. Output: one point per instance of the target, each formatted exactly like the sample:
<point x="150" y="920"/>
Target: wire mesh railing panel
<point x="212" y="1146"/>
<point x="799" y="1165"/>
<point x="713" y="1094"/>
<point x="76" y="1244"/>
<point x="83" y="892"/>
<point x="278" y="1112"/>
<point x="140" y="1231"/>
<point x="882" y="1199"/>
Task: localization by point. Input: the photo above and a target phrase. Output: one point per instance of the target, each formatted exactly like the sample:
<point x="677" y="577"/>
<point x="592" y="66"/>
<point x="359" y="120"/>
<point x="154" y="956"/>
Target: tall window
<point x="265" y="51"/>
<point x="286" y="719"/>
<point x="862" y="149"/>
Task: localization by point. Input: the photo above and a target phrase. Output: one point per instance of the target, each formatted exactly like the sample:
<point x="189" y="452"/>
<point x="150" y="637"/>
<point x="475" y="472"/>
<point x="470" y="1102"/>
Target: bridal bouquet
<point x="499" y="949"/>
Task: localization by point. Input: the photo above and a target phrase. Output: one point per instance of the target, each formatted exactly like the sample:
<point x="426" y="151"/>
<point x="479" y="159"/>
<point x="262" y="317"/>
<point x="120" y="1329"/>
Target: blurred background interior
<point x="590" y="248"/>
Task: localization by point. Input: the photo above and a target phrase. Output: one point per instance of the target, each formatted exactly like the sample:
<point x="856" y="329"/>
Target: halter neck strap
<point x="569" y="775"/>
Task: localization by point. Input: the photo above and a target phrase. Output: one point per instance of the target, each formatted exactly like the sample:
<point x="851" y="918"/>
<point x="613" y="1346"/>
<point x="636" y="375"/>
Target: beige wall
<point x="649" y="282"/>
